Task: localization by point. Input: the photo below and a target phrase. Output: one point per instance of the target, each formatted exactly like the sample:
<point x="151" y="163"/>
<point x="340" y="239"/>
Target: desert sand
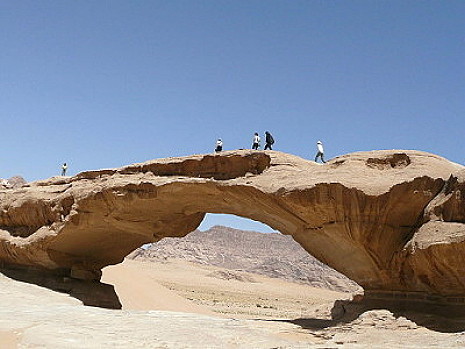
<point x="189" y="287"/>
<point x="137" y="288"/>
<point x="185" y="305"/>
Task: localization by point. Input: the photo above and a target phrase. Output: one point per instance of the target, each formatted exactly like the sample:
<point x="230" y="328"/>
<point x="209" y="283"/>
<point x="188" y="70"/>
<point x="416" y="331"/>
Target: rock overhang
<point x="359" y="213"/>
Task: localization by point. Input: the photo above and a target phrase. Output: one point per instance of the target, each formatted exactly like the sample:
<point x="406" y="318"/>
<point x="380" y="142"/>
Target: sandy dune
<point x="138" y="289"/>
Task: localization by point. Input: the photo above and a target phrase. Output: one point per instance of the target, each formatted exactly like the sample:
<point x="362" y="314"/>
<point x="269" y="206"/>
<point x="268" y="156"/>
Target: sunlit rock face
<point x="391" y="220"/>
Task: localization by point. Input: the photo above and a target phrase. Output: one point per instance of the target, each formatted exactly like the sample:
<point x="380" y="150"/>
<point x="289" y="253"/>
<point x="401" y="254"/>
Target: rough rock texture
<point x="16" y="181"/>
<point x="390" y="220"/>
<point x="13" y="182"/>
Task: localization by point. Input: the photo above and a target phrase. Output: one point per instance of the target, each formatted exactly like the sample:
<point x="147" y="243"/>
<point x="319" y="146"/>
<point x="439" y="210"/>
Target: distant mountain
<point x="273" y="255"/>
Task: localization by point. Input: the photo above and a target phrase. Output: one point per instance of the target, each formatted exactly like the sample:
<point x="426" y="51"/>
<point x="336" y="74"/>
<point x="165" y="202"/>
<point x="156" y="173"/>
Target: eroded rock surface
<point x="389" y="220"/>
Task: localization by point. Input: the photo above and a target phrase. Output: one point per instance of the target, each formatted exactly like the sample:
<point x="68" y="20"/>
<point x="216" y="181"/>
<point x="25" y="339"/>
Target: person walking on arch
<point x="320" y="152"/>
<point x="269" y="141"/>
<point x="64" y="167"/>
<point x="219" y="145"/>
<point x="256" y="141"/>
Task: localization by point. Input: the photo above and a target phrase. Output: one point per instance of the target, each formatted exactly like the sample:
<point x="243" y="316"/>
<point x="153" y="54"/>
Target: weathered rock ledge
<point x="390" y="220"/>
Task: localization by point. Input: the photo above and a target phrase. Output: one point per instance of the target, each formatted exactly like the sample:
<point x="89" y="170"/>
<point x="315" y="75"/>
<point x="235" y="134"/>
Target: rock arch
<point x="392" y="221"/>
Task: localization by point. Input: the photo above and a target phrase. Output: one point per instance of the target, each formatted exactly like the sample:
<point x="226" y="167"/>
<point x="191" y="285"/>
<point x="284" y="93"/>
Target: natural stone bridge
<point x="393" y="221"/>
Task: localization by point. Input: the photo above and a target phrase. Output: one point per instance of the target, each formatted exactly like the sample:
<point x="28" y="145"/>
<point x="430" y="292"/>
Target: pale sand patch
<point x="9" y="339"/>
<point x="138" y="290"/>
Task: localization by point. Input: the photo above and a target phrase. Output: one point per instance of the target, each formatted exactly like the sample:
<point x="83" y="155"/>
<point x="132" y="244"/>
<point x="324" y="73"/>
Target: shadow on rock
<point x="92" y="293"/>
<point x="339" y="316"/>
<point x="447" y="318"/>
<point x="436" y="317"/>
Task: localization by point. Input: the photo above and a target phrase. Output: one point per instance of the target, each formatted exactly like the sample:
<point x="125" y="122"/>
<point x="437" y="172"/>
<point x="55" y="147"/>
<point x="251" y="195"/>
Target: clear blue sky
<point x="107" y="83"/>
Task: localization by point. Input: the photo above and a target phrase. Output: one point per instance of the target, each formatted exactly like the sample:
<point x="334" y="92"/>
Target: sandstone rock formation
<point x="393" y="221"/>
<point x="13" y="182"/>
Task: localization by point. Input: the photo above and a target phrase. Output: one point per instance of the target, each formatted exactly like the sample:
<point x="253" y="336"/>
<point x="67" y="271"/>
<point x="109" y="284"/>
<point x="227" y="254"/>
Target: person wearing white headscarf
<point x="320" y="152"/>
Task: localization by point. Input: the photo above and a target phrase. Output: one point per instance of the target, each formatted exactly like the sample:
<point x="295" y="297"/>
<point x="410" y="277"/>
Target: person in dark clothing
<point x="269" y="141"/>
<point x="219" y="145"/>
<point x="256" y="141"/>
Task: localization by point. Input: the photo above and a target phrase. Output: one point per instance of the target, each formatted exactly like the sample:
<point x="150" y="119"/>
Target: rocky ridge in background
<point x="13" y="182"/>
<point x="273" y="255"/>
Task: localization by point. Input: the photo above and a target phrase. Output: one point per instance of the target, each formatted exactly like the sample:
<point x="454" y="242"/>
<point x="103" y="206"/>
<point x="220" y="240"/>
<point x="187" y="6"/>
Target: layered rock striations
<point x="390" y="220"/>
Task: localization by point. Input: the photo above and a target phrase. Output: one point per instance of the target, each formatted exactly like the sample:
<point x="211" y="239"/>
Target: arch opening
<point x="233" y="221"/>
<point x="239" y="267"/>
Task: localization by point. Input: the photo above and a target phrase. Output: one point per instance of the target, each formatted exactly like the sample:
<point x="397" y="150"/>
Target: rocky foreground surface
<point x="248" y="251"/>
<point x="393" y="221"/>
<point x="34" y="317"/>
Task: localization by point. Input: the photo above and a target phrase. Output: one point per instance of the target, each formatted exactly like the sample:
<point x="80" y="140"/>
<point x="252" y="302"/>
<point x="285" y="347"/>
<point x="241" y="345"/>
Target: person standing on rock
<point x="320" y="152"/>
<point x="269" y="141"/>
<point x="63" y="169"/>
<point x="256" y="141"/>
<point x="219" y="145"/>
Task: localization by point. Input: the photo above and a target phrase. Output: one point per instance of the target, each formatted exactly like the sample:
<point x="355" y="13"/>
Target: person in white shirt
<point x="63" y="169"/>
<point x="256" y="141"/>
<point x="320" y="152"/>
<point x="219" y="145"/>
